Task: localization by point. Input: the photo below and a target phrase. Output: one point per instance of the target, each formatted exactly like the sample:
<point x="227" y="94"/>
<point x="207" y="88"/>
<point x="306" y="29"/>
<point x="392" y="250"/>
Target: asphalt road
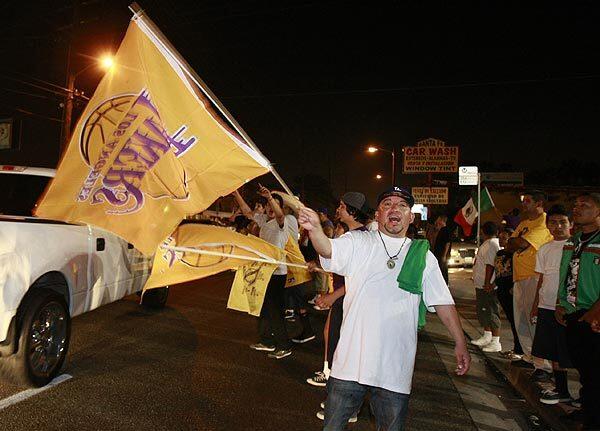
<point x="188" y="367"/>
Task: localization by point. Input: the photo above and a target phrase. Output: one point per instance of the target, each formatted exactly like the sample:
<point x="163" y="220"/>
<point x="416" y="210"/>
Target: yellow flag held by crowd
<point x="251" y="280"/>
<point x="149" y="148"/>
<point x="174" y="266"/>
<point x="295" y="275"/>
<point x="249" y="287"/>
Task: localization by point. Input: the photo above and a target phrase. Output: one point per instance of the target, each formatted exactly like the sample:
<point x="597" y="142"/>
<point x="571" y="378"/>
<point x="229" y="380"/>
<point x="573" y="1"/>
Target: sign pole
<point x="478" y="207"/>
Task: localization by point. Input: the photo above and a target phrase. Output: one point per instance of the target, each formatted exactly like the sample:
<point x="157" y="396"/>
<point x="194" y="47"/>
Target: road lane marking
<point x="28" y="393"/>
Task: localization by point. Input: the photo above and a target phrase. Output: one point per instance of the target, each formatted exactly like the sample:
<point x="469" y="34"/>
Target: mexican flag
<point x="468" y="214"/>
<point x="466" y="217"/>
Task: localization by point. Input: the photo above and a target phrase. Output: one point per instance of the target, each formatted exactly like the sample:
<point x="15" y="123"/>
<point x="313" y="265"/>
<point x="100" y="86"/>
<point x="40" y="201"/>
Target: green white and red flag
<point x="466" y="216"/>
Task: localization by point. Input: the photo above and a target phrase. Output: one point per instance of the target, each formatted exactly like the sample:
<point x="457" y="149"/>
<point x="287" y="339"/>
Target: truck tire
<point x="155" y="298"/>
<point x="43" y="331"/>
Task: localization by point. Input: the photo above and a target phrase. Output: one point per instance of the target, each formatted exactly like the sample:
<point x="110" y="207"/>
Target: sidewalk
<point x="464" y="295"/>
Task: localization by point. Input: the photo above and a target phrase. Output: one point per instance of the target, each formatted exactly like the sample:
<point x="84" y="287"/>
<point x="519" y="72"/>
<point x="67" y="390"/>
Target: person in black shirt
<point x="442" y="244"/>
<point x="504" y="282"/>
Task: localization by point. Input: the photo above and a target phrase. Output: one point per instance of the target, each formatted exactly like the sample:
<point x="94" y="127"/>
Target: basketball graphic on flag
<point x="195" y="260"/>
<point x="112" y="139"/>
<point x="100" y="125"/>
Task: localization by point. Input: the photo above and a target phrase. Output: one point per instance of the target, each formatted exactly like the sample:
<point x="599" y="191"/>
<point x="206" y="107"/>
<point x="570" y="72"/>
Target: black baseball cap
<point x="397" y="191"/>
<point x="357" y="201"/>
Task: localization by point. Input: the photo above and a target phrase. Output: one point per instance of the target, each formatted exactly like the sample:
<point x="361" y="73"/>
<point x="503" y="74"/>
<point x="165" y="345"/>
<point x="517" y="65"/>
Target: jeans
<point x="336" y="315"/>
<point x="584" y="350"/>
<point x="523" y="297"/>
<point x="505" y="297"/>
<point x="345" y="397"/>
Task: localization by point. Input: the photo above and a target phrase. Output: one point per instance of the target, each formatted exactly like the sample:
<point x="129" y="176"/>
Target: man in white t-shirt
<point x="275" y="228"/>
<point x="378" y="338"/>
<point x="550" y="340"/>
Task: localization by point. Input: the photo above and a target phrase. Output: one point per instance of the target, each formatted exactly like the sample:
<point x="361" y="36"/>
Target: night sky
<point x="314" y="82"/>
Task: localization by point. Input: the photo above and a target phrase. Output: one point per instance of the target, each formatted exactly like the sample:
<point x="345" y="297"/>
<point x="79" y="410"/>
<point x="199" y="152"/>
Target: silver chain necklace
<point x="391" y="261"/>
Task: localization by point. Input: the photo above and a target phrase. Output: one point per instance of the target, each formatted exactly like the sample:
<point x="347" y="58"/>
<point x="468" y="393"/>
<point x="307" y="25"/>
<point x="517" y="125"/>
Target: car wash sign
<point x="430" y="156"/>
<point x="430" y="195"/>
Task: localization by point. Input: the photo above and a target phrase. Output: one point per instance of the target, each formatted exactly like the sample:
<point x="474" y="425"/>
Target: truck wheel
<point x="44" y="330"/>
<point x="155" y="298"/>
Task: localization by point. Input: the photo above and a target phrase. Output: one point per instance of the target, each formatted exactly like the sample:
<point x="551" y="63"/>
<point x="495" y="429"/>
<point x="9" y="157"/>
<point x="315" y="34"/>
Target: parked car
<point x="51" y="271"/>
<point x="462" y="255"/>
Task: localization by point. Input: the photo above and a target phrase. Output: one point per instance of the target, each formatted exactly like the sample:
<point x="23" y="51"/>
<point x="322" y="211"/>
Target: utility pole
<point x="70" y="81"/>
<point x="68" y="112"/>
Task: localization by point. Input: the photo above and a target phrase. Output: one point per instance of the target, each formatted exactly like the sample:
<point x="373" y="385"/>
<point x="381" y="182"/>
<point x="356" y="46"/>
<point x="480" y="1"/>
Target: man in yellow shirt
<point x="527" y="239"/>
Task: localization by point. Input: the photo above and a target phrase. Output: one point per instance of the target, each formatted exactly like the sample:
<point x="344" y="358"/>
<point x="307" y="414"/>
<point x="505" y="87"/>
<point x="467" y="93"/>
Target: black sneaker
<point x="541" y="376"/>
<point x="289" y="314"/>
<point x="280" y="354"/>
<point x="576" y="403"/>
<point x="550" y="396"/>
<point x="304" y="338"/>
<point x="319" y="379"/>
<point x="262" y="347"/>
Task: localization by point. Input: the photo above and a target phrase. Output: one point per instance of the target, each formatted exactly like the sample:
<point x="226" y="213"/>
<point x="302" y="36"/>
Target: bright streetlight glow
<point x="372" y="149"/>
<point x="107" y="62"/>
<point x="378" y="176"/>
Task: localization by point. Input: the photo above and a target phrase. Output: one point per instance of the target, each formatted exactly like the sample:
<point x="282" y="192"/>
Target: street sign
<point x="430" y="195"/>
<point x="468" y="176"/>
<point x="430" y="156"/>
<point x="514" y="179"/>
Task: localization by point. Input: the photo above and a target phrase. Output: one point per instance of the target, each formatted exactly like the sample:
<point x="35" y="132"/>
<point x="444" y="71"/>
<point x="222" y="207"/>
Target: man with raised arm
<point x="390" y="282"/>
<point x="275" y="228"/>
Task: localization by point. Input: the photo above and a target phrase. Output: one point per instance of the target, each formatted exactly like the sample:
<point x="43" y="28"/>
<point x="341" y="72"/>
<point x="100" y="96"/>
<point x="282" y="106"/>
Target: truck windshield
<point x="19" y="193"/>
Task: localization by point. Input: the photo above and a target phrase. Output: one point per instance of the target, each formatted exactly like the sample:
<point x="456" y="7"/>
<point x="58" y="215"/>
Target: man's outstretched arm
<point x="244" y="208"/>
<point x="449" y="318"/>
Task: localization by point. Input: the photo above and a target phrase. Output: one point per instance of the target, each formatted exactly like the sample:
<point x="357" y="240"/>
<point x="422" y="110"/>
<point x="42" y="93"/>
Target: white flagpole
<point x="234" y="256"/>
<point x="140" y="14"/>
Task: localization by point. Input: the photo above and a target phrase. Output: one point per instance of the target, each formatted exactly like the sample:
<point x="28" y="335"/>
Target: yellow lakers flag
<point x="172" y="267"/>
<point x="295" y="275"/>
<point x="149" y="148"/>
<point x="249" y="286"/>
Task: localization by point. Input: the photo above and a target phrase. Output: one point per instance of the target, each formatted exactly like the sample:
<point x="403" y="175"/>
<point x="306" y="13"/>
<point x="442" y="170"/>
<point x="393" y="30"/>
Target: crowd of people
<point x="545" y="275"/>
<point x="541" y="269"/>
<point x="383" y="279"/>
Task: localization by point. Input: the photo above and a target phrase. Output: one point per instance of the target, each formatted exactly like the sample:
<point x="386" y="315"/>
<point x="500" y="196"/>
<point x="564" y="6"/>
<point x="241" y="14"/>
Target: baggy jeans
<point x="345" y="397"/>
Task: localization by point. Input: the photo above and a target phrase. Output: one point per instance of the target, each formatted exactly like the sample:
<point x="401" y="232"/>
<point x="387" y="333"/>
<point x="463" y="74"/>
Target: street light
<point x="378" y="176"/>
<point x="373" y="149"/>
<point x="107" y="63"/>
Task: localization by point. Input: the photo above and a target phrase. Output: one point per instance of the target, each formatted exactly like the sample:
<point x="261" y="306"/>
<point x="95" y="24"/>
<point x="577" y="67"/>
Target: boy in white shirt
<point x="488" y="311"/>
<point x="549" y="341"/>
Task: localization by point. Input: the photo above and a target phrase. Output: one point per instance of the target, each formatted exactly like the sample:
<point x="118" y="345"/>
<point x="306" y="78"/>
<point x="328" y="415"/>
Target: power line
<point x="39" y="87"/>
<point x="24" y="93"/>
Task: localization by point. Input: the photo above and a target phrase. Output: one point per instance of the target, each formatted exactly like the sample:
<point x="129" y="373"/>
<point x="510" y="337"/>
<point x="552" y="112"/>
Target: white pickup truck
<point x="51" y="271"/>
